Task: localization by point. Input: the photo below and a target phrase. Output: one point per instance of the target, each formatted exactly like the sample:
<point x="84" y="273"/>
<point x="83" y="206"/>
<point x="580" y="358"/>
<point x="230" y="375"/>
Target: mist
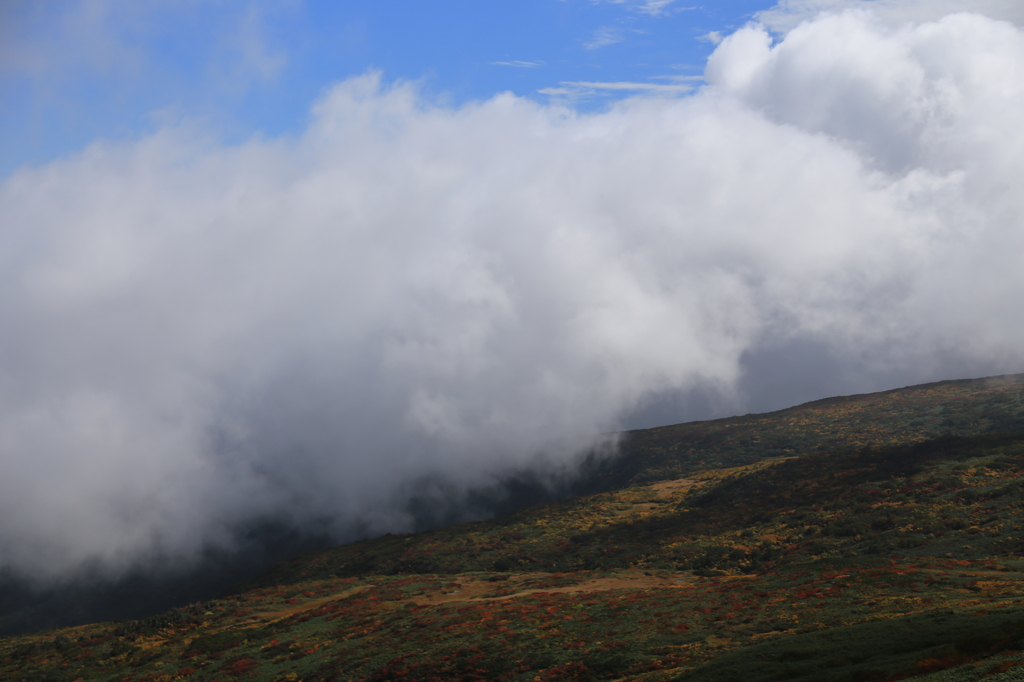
<point x="198" y="337"/>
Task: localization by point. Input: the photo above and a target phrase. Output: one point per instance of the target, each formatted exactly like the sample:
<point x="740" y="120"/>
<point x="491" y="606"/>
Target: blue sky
<point x="73" y="72"/>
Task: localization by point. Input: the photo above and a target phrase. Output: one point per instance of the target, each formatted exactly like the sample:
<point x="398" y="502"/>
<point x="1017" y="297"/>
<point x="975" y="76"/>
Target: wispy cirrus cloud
<point x="653" y="8"/>
<point x="59" y="42"/>
<point x="610" y="35"/>
<point x="518" y="63"/>
<point x="605" y="36"/>
<point x="585" y="88"/>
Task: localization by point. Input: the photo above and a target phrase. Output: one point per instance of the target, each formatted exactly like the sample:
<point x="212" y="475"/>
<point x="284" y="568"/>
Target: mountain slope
<point x="869" y="561"/>
<point x="904" y="415"/>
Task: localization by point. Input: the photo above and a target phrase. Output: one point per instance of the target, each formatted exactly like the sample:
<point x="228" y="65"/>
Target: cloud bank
<point x="788" y="14"/>
<point x="199" y="335"/>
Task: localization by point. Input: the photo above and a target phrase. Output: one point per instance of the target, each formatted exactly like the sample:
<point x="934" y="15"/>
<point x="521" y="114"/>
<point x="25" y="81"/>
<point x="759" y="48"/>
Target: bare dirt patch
<point x="478" y="590"/>
<point x="466" y="590"/>
<point x="270" y="616"/>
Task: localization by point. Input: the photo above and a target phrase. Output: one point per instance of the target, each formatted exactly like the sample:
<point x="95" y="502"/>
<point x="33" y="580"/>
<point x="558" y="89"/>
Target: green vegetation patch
<point x="878" y="650"/>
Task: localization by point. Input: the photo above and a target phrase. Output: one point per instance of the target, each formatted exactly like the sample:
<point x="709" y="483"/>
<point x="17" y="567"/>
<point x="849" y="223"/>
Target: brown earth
<point x="291" y="610"/>
<point x="475" y="590"/>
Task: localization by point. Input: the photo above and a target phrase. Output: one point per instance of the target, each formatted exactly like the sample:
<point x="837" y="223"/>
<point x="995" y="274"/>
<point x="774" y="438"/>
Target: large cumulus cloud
<point x="198" y="335"/>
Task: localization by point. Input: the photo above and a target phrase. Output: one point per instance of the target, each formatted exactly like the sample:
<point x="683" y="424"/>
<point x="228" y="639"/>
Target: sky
<point x="77" y="71"/>
<point x="300" y="261"/>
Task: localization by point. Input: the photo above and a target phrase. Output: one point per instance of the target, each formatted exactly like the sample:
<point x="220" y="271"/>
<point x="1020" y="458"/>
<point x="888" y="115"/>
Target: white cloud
<point x="788" y="14"/>
<point x="197" y="334"/>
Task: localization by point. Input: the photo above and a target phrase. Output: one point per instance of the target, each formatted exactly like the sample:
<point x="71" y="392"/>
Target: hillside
<point x="870" y="537"/>
<point x="904" y="415"/>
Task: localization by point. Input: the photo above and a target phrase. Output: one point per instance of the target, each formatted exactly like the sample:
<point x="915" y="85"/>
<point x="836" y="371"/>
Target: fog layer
<point x="197" y="336"/>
